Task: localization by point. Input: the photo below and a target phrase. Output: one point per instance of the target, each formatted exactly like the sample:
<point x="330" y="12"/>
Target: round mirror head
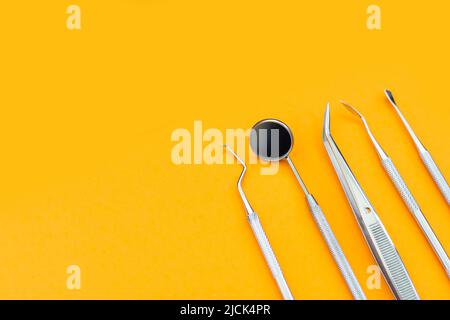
<point x="271" y="140"/>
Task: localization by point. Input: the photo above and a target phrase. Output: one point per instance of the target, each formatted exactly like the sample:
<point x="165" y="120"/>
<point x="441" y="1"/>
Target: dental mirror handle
<point x="330" y="239"/>
<point x="269" y="255"/>
<point x="436" y="174"/>
<point x="417" y="213"/>
<point x="335" y="249"/>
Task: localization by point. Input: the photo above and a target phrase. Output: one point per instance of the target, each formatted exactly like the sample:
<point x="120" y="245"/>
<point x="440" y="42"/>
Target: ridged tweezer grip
<point x="417" y="213"/>
<point x="402" y="285"/>
<point x="269" y="255"/>
<point x="335" y="249"/>
<point x="436" y="174"/>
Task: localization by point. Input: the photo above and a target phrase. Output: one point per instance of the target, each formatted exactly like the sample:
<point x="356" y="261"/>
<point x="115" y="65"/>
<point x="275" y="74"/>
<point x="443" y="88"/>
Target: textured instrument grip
<point x="335" y="249"/>
<point x="417" y="213"/>
<point x="400" y="185"/>
<point x="269" y="255"/>
<point x="436" y="174"/>
<point x="391" y="264"/>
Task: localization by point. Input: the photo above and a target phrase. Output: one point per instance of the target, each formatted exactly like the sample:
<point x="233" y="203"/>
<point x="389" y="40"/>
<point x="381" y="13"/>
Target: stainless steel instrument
<point x="272" y="140"/>
<point x="406" y="195"/>
<point x="376" y="236"/>
<point x="261" y="237"/>
<point x="431" y="166"/>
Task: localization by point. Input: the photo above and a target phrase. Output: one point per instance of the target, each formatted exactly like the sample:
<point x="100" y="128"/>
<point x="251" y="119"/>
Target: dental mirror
<point x="272" y="140"/>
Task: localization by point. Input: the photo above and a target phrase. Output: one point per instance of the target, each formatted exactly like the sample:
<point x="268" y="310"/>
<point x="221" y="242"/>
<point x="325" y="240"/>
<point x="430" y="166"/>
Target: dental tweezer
<point x="406" y="195"/>
<point x="261" y="237"/>
<point x="431" y="166"/>
<point x="374" y="232"/>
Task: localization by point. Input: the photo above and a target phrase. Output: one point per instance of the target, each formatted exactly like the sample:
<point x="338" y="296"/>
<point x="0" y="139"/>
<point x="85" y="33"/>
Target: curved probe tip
<point x="235" y="155"/>
<point x="247" y="205"/>
<point x="351" y="109"/>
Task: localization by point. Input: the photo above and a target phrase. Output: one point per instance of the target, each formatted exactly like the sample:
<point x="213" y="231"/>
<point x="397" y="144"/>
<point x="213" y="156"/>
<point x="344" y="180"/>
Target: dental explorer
<point x="261" y="237"/>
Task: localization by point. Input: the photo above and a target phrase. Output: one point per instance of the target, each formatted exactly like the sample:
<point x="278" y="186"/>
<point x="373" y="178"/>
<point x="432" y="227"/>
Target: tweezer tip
<point x="326" y="122"/>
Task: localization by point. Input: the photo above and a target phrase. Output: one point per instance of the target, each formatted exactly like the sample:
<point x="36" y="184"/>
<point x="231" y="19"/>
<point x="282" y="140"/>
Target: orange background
<point x="87" y="115"/>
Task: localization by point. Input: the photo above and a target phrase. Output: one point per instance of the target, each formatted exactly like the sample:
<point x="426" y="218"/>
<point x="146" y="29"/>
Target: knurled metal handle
<point x="416" y="212"/>
<point x="391" y="264"/>
<point x="400" y="185"/>
<point x="436" y="174"/>
<point x="335" y="249"/>
<point x="269" y="255"/>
